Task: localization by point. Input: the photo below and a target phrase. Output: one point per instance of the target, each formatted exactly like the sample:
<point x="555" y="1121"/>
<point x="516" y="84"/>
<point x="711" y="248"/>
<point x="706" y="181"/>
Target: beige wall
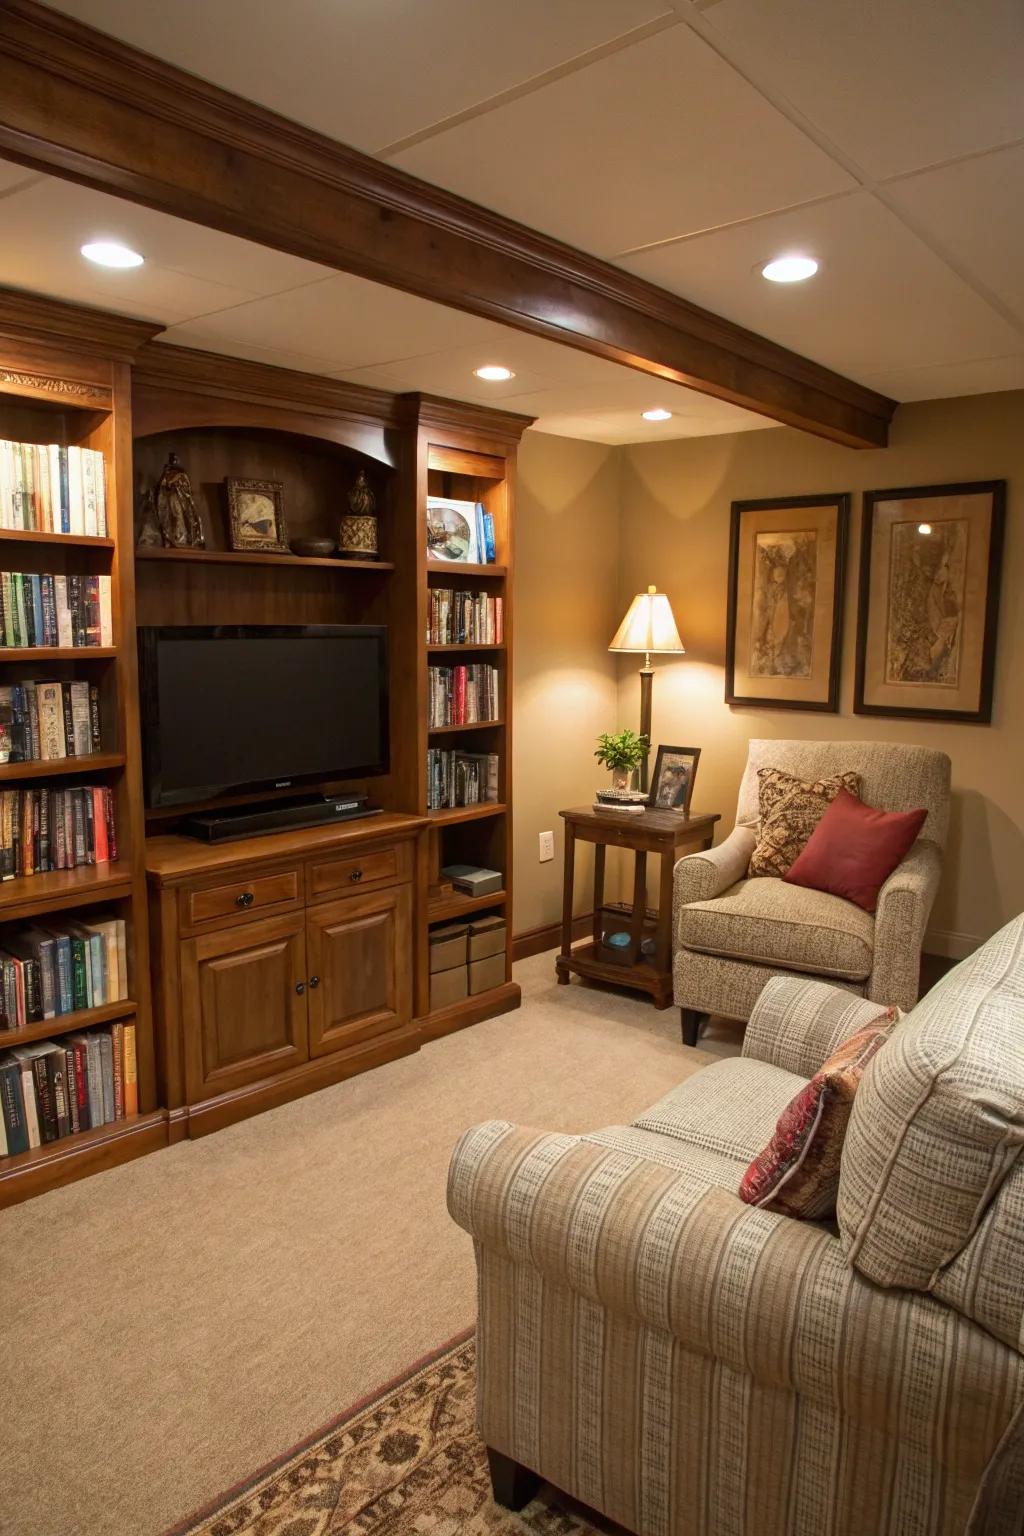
<point x="567" y="548"/>
<point x="675" y="527"/>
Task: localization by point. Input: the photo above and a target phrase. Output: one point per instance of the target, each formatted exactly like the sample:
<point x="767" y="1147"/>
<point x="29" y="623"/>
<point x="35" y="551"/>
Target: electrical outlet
<point x="547" y="846"/>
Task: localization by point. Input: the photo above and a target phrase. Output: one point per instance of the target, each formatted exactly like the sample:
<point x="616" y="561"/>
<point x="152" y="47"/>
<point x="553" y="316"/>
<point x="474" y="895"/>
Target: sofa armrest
<point x="772" y="1298"/>
<point x="797" y="1024"/>
<point x="901" y="917"/>
<point x="703" y="876"/>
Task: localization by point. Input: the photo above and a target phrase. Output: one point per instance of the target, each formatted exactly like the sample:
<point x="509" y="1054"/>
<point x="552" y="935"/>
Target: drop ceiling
<point x="684" y="140"/>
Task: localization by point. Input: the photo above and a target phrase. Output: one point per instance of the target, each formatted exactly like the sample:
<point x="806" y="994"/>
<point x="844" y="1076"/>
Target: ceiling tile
<point x="658" y="140"/>
<point x="367" y="72"/>
<point x="344" y="322"/>
<point x="881" y="301"/>
<point x="988" y="375"/>
<point x="896" y="86"/>
<point x="975" y="213"/>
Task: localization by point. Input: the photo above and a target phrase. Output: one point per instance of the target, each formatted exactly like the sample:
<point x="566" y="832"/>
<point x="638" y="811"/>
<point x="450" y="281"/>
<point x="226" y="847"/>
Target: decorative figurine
<point x="357" y="533"/>
<point x="176" y="508"/>
<point x="149" y="535"/>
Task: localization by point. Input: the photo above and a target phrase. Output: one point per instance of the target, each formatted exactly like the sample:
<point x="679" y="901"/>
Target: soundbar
<point x="281" y="816"/>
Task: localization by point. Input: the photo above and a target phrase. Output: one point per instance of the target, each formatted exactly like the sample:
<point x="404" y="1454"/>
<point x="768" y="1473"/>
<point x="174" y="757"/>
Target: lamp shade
<point x="648" y="626"/>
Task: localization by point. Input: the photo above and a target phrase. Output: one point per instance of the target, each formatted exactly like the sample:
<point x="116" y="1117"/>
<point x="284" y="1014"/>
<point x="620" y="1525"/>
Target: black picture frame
<point x="652" y="799"/>
<point x="840" y="501"/>
<point x="982" y="713"/>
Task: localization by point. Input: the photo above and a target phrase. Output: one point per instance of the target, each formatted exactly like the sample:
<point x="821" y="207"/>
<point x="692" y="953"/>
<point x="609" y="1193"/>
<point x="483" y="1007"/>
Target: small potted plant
<point x="622" y="752"/>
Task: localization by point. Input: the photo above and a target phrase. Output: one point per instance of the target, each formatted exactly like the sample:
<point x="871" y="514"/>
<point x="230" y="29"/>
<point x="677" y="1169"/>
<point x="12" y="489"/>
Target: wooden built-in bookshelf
<point x="65" y="379"/>
<point x="69" y="375"/>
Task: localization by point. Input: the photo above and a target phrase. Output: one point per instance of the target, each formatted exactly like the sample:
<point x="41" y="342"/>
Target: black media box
<point x="258" y="820"/>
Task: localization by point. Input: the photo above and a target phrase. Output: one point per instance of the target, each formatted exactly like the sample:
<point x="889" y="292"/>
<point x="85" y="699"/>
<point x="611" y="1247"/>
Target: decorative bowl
<point x="314" y="549"/>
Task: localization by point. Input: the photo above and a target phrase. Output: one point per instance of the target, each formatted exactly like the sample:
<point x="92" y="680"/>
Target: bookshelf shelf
<point x="475" y="725"/>
<point x="447" y="907"/>
<point x="67" y="1023"/>
<point x="466" y="645"/>
<point x="102" y="1147"/>
<point x="57" y="652"/>
<point x="51" y="767"/>
<point x="238" y="557"/>
<point x="470" y="1010"/>
<point x="61" y="889"/>
<point x="450" y="568"/>
<point x="459" y="813"/>
<point x="67" y="540"/>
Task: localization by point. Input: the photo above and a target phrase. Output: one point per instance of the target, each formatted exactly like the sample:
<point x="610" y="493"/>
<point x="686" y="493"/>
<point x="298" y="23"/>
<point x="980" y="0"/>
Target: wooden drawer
<point x="368" y="870"/>
<point x="227" y="902"/>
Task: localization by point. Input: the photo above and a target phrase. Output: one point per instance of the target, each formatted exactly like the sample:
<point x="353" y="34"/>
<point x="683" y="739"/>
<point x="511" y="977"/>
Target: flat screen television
<point x="230" y="709"/>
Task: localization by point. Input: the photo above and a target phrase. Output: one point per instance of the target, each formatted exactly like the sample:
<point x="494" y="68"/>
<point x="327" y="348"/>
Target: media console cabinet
<point x="282" y="963"/>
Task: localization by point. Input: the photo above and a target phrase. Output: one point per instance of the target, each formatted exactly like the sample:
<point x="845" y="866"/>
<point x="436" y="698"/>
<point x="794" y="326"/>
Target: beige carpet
<point x="173" y="1325"/>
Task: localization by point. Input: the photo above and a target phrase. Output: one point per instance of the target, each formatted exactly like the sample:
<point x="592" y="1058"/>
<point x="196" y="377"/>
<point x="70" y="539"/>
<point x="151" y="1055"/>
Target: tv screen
<point x="237" y="708"/>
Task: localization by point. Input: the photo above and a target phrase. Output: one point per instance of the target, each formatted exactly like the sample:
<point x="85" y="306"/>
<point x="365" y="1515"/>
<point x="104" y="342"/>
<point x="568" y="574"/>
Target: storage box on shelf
<point x="60" y="396"/>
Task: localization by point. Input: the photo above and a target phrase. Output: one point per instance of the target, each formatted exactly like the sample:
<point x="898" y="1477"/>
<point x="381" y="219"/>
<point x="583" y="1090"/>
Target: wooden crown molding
<point x="87" y="107"/>
<point x="433" y="411"/>
<point x="30" y="317"/>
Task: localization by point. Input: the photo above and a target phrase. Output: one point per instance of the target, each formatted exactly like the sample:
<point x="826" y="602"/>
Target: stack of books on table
<point x="55" y="1088"/>
<point x="47" y="721"/>
<point x="463" y="695"/>
<point x="45" y="488"/>
<point x="50" y="610"/>
<point x="464" y="618"/>
<point x="46" y="829"/>
<point x="461" y="778"/>
<point x="48" y="969"/>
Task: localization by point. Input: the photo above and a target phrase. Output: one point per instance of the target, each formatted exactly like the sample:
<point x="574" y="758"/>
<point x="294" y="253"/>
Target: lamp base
<point x="646" y="706"/>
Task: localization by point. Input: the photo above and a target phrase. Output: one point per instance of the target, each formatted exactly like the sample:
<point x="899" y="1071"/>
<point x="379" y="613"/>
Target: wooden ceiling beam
<point x="89" y="108"/>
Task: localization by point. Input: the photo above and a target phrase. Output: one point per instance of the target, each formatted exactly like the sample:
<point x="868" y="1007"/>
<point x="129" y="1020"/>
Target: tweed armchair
<point x="692" y="1366"/>
<point x="731" y="934"/>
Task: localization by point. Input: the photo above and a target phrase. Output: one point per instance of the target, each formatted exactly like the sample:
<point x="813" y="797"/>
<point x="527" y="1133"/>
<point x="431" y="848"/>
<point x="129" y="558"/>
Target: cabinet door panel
<point x="243" y="1017"/>
<point x="360" y="952"/>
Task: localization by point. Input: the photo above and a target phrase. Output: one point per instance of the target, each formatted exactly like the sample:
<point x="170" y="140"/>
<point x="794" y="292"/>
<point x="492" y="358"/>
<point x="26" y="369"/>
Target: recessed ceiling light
<point x="658" y="414"/>
<point x="494" y="373"/>
<point x="108" y="253"/>
<point x="789" y="269"/>
<point x="924" y="528"/>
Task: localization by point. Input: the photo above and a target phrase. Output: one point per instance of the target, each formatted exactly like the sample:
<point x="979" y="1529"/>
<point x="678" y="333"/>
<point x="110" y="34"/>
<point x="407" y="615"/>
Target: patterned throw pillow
<point x="797" y="1174"/>
<point x="790" y="810"/>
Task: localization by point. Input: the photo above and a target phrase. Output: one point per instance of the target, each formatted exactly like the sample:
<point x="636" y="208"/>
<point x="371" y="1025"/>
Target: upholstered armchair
<point x="732" y="934"/>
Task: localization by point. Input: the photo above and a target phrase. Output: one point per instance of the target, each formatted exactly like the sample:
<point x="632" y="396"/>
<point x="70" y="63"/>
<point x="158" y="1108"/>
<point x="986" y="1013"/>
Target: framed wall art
<point x="785" y="614"/>
<point x="929" y="601"/>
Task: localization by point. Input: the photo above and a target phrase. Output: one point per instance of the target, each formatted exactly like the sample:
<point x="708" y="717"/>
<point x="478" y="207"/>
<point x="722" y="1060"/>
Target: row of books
<point x="49" y="969"/>
<point x="55" y="610"/>
<point x="45" y="721"/>
<point x="45" y="488"/>
<point x="461" y="778"/>
<point x="46" y="829"/>
<point x="463" y="618"/>
<point x="463" y="695"/>
<point x="59" y="1087"/>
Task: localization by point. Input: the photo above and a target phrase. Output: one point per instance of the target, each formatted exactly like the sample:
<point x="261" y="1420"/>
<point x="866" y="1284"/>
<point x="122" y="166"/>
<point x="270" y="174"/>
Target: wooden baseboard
<point x="75" y="1157"/>
<point x="534" y="941"/>
<point x="470" y="1010"/>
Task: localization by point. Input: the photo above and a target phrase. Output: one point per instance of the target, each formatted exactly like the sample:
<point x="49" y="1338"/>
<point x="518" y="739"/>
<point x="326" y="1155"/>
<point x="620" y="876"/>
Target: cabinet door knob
<point x="314" y="982"/>
<point x="300" y="987"/>
<point x="244" y="899"/>
<point x="356" y="874"/>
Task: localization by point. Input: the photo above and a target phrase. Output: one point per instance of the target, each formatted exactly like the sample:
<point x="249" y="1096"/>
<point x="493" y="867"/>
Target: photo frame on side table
<point x="675" y="769"/>
<point x="928" y="605"/>
<point x="785" y="604"/>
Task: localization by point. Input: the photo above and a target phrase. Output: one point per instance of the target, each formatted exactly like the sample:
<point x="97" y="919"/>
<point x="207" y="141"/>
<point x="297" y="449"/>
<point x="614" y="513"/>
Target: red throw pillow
<point x="797" y="1174"/>
<point x="854" y="849"/>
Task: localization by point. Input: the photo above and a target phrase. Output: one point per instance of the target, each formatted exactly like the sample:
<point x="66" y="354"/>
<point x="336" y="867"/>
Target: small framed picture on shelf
<point x="459" y="532"/>
<point x="256" y="515"/>
<point x="675" y="769"/>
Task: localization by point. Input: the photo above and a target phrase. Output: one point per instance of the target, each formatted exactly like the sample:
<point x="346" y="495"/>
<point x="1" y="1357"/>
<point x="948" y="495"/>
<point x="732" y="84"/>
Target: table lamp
<point x="648" y="629"/>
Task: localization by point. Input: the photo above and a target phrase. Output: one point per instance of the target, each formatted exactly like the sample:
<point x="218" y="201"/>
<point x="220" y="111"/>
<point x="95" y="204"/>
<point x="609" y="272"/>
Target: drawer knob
<point x="244" y="899"/>
<point x="356" y="874"/>
<point x="300" y="987"/>
<point x="314" y="982"/>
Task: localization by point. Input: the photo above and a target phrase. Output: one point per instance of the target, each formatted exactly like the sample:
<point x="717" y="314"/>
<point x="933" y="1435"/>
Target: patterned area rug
<point x="406" y="1462"/>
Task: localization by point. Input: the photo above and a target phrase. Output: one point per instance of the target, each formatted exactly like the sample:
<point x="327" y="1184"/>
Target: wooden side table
<point x="668" y="833"/>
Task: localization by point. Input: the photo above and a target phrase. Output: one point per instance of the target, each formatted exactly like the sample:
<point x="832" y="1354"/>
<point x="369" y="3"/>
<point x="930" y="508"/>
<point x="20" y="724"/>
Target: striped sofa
<point x="691" y="1366"/>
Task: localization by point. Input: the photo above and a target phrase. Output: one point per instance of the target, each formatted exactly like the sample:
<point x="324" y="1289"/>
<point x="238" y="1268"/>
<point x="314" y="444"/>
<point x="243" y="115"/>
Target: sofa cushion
<point x="938" y="1121"/>
<point x="700" y="1165"/>
<point x="983" y="1282"/>
<point x="790" y="810"/>
<point x="771" y="923"/>
<point x="797" y="1173"/>
<point x="728" y="1108"/>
